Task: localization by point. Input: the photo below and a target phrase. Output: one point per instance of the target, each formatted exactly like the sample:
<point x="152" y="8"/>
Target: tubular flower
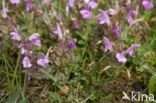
<point x="108" y="44"/>
<point x="86" y="14"/>
<point x="72" y="44"/>
<point x="14" y="1"/>
<point x="70" y="3"/>
<point x="36" y="42"/>
<point x="28" y="5"/>
<point x="24" y="49"/>
<point x="34" y="39"/>
<point x="34" y="36"/>
<point x="92" y="4"/>
<point x="48" y="2"/>
<point x="15" y="35"/>
<point x="131" y="49"/>
<point x="104" y="18"/>
<point x="42" y="61"/>
<point x="75" y="24"/>
<point x="147" y="4"/>
<point x="4" y="12"/>
<point x="121" y="57"/>
<point x="26" y="62"/>
<point x="130" y="15"/>
<point x="58" y="31"/>
<point x="117" y="31"/>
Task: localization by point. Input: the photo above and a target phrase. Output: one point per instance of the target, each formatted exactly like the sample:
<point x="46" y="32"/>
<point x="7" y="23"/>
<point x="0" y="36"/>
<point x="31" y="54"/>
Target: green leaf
<point x="50" y="76"/>
<point x="108" y="97"/>
<point x="14" y="97"/>
<point x="152" y="85"/>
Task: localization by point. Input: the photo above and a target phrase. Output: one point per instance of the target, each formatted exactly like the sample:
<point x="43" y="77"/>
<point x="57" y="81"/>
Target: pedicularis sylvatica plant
<point x="73" y="38"/>
<point x="81" y="11"/>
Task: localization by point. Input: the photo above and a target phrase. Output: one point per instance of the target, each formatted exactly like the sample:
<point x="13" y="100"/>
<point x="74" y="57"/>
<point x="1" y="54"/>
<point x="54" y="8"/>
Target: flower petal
<point x="86" y="14"/>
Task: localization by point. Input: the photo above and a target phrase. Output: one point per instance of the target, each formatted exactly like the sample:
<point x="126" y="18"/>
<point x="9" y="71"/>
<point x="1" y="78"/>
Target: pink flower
<point x="104" y="18"/>
<point x="75" y="24"/>
<point x="48" y="2"/>
<point x="28" y="5"/>
<point x="130" y="14"/>
<point x="72" y="44"/>
<point x="58" y="31"/>
<point x="108" y="44"/>
<point x="14" y="1"/>
<point x="92" y="4"/>
<point x="70" y="3"/>
<point x="26" y="62"/>
<point x="130" y="19"/>
<point x="42" y="61"/>
<point x="86" y="14"/>
<point x="24" y="49"/>
<point x="36" y="42"/>
<point x="116" y="5"/>
<point x="15" y="35"/>
<point x="34" y="36"/>
<point x="147" y="4"/>
<point x="5" y="10"/>
<point x="117" y="31"/>
<point x="121" y="57"/>
<point x="131" y="49"/>
<point x="34" y="39"/>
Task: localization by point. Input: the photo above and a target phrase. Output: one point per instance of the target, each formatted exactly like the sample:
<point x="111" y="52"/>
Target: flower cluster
<point x="147" y="4"/>
<point x="86" y="13"/>
<point x="26" y="48"/>
<point x="121" y="56"/>
<point x="60" y="35"/>
<point x="104" y="17"/>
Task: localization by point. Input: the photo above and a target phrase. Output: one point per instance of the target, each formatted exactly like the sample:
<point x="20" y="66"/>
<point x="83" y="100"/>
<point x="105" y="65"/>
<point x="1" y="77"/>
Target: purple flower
<point x="130" y="19"/>
<point x="24" y="49"/>
<point x="104" y="18"/>
<point x="130" y="14"/>
<point x="92" y="4"/>
<point x="34" y="36"/>
<point x="36" y="42"/>
<point x="28" y="5"/>
<point x="147" y="4"/>
<point x="48" y="2"/>
<point x="108" y="44"/>
<point x="131" y="49"/>
<point x="5" y="10"/>
<point x="116" y="5"/>
<point x="15" y="35"/>
<point x="14" y="1"/>
<point x="26" y="62"/>
<point x="34" y="39"/>
<point x="72" y="44"/>
<point x="86" y="14"/>
<point x="42" y="61"/>
<point x="117" y="31"/>
<point x="70" y="3"/>
<point x="58" y="31"/>
<point x="75" y="24"/>
<point x="121" y="57"/>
